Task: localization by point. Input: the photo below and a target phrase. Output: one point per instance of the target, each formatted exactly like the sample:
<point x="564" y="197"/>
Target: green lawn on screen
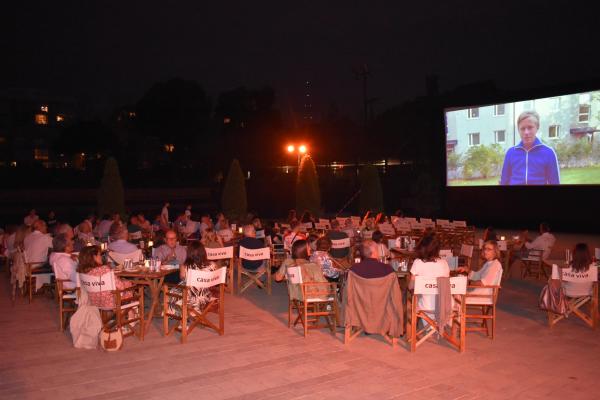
<point x="568" y="176"/>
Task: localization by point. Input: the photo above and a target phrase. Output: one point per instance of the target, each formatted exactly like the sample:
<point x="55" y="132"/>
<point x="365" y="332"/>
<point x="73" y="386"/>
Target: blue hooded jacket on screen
<point x="536" y="166"/>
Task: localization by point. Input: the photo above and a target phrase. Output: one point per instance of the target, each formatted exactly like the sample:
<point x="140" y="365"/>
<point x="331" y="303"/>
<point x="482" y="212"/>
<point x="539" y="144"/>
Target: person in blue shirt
<point x="531" y="162"/>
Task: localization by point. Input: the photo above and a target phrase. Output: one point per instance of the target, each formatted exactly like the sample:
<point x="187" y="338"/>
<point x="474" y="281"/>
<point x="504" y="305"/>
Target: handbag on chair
<point x="553" y="299"/>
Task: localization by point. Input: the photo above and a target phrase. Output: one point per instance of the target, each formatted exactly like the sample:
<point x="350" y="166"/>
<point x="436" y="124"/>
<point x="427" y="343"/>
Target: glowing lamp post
<point x="299" y="151"/>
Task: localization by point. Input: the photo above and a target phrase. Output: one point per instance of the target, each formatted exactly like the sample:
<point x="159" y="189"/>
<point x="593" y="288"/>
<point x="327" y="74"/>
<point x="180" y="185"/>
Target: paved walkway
<point x="260" y="358"/>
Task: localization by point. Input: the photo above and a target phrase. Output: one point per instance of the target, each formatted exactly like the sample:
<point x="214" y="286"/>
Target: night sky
<point x="108" y="53"/>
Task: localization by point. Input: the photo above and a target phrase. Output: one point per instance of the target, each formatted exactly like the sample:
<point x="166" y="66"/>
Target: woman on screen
<point x="530" y="162"/>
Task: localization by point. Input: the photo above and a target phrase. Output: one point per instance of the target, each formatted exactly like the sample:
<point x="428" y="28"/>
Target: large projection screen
<point x="546" y="141"/>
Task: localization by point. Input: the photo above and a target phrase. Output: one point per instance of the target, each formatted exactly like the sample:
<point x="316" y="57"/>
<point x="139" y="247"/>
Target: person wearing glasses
<point x="491" y="271"/>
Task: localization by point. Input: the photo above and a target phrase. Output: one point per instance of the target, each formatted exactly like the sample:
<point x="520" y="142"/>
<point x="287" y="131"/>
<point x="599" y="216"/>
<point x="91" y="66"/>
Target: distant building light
<point x="60" y="118"/>
<point x="242" y="124"/>
<point x="13" y="163"/>
<point x="248" y="174"/>
<point x="82" y="154"/>
<point x="131" y="114"/>
<point x="169" y="148"/>
<point x="226" y="120"/>
<point x="44" y="108"/>
<point x="40" y="154"/>
<point x="41" y="119"/>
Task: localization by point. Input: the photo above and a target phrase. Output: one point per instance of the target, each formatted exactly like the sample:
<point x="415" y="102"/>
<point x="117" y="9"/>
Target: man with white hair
<point x="370" y="266"/>
<point x="37" y="244"/>
<point x="63" y="264"/>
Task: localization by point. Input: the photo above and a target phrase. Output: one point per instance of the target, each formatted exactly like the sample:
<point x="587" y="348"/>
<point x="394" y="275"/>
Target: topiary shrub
<point x="233" y="201"/>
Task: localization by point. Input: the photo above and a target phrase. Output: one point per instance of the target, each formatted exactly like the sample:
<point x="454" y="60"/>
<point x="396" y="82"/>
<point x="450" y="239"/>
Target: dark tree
<point x="234" y="202"/>
<point x="371" y="195"/>
<point x="111" y="197"/>
<point x="308" y="195"/>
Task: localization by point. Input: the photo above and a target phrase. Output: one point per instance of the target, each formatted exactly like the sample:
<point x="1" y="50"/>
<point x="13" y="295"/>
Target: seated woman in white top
<point x="582" y="262"/>
<point x="429" y="264"/>
<point x="490" y="273"/>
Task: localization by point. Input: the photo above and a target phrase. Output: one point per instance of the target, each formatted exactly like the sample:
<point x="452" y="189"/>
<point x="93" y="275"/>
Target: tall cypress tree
<point x="371" y="195"/>
<point x="111" y="196"/>
<point x="308" y="195"/>
<point x="233" y="201"/>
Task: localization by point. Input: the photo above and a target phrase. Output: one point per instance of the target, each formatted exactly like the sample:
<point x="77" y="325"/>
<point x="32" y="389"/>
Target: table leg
<point x="154" y="285"/>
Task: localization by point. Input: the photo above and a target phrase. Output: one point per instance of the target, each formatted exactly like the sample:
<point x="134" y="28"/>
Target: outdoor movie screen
<point x="548" y="141"/>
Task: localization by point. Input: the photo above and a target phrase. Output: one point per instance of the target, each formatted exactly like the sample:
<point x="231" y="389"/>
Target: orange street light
<point x="302" y="149"/>
<point x="291" y="148"/>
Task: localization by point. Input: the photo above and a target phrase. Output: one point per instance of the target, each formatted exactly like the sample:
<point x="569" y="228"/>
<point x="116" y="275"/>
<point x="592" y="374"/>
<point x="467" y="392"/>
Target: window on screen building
<point x="473" y="113"/>
<point x="499" y="109"/>
<point x="584" y="113"/>
<point x="500" y="136"/>
<point x="554" y="131"/>
<point x="474" y="139"/>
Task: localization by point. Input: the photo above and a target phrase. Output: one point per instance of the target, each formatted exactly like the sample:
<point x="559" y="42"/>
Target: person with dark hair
<point x="322" y="259"/>
<point x="370" y="266"/>
<point x="489" y="234"/>
<point x="429" y="264"/>
<point x="581" y="262"/>
<point x="90" y="263"/>
<point x="249" y="241"/>
<point x="62" y="262"/>
<point x="384" y="252"/>
<point x="336" y="233"/>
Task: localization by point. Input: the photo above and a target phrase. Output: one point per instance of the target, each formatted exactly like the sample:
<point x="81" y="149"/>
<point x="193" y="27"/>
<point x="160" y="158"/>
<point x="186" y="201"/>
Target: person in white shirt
<point x="30" y="218"/>
<point x="62" y="262"/>
<point x="543" y="242"/>
<point x="429" y="264"/>
<point x="37" y="243"/>
<point x="103" y="227"/>
<point x="490" y="273"/>
<point x="225" y="232"/>
<point x="205" y="223"/>
<point x="581" y="263"/>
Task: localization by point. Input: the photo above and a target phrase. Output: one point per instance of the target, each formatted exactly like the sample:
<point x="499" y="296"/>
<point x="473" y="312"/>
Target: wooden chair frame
<point x="418" y="336"/>
<point x="198" y="317"/>
<point x="316" y="298"/>
<point x="533" y="265"/>
<point x="30" y="277"/>
<point x="487" y="312"/>
<point x="574" y="304"/>
<point x="66" y="302"/>
<point x="254" y="277"/>
<point x="121" y="310"/>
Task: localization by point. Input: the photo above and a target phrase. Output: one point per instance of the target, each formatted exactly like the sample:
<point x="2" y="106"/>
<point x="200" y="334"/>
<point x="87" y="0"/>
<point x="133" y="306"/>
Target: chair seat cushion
<point x="479" y="301"/>
<point x="317" y="299"/>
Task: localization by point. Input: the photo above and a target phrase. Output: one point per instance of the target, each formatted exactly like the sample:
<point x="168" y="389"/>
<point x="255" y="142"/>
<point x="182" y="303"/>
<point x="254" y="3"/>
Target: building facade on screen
<point x="560" y="117"/>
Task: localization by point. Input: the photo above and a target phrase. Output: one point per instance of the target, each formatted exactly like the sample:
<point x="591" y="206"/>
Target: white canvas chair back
<point x="294" y="275"/>
<point x="502" y="246"/>
<point x="307" y="225"/>
<point x="119" y="257"/>
<point x="355" y="221"/>
<point x="322" y="226"/>
<point x="426" y="285"/>
<point x="597" y="253"/>
<point x="220" y="253"/>
<point x="286" y="226"/>
<point x="393" y="244"/>
<point x="96" y="284"/>
<point x="443" y="223"/>
<point x="367" y="234"/>
<point x="417" y="226"/>
<point x="204" y="279"/>
<point x="260" y="234"/>
<point x="425" y="220"/>
<point x="410" y="220"/>
<point x="135" y="235"/>
<point x="567" y="275"/>
<point x="459" y="224"/>
<point x="466" y="250"/>
<point x="387" y="229"/>
<point x="403" y="226"/>
<point x="428" y="225"/>
<point x="255" y="254"/>
<point x="445" y="253"/>
<point x="340" y="243"/>
<point x="534" y="255"/>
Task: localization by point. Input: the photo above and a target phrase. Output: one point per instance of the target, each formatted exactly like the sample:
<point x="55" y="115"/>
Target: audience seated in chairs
<point x="249" y="241"/>
<point x="482" y="290"/>
<point x="341" y="255"/>
<point x="322" y="258"/>
<point x="428" y="264"/>
<point x="224" y="231"/>
<point x="311" y="272"/>
<point x="372" y="298"/>
<point x="211" y="240"/>
<point x="36" y="246"/>
<point x="579" y="281"/>
<point x="63" y="262"/>
<point x="293" y="235"/>
<point x="119" y="239"/>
